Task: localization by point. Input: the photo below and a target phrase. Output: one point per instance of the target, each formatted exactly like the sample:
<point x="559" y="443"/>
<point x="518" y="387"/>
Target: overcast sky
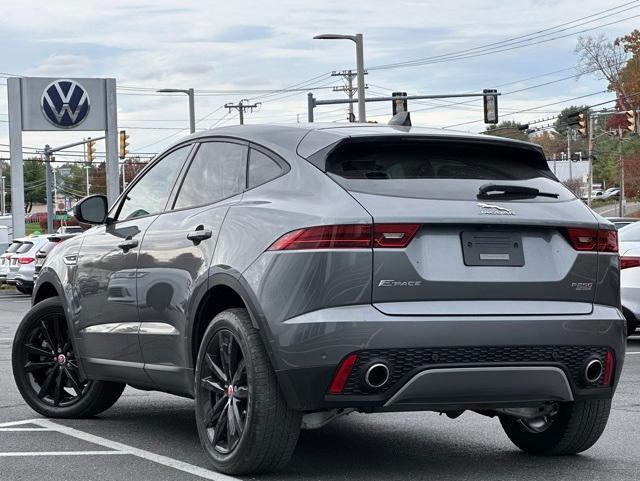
<point x="243" y="45"/>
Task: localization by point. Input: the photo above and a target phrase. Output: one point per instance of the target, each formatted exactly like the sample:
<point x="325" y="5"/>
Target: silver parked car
<point x="22" y="264"/>
<point x="285" y="275"/>
<point x="630" y="274"/>
<point x="5" y="259"/>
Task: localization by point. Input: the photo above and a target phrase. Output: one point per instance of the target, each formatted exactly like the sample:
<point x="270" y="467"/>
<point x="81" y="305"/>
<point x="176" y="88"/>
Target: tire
<point x="631" y="327"/>
<point x="47" y="377"/>
<point x="575" y="428"/>
<point x="259" y="432"/>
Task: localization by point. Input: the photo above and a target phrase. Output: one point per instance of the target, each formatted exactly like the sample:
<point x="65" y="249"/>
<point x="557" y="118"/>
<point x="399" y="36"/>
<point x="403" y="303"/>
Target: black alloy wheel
<point x="225" y="391"/>
<point x="50" y="363"/>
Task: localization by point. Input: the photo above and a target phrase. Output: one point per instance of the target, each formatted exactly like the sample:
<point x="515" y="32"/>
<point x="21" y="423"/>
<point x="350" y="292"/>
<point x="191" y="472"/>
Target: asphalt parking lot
<point x="152" y="436"/>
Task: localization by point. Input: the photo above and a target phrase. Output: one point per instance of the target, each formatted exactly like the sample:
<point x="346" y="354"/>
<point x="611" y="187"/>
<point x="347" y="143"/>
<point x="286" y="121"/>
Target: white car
<point x="629" y="248"/>
<point x="23" y="263"/>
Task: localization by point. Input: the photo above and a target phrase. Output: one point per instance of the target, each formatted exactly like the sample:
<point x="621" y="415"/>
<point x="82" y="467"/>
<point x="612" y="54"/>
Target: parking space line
<point x="9" y="424"/>
<point x="631" y="353"/>
<point x="141" y="453"/>
<point x="26" y="430"/>
<point x="59" y="453"/>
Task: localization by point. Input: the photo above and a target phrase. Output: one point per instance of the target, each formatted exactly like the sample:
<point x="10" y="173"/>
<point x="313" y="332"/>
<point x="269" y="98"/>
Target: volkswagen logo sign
<point x="65" y="103"/>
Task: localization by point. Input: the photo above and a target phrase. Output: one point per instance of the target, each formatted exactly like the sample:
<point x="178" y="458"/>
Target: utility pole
<point x="4" y="210"/>
<point x="621" y="199"/>
<point x="55" y="189"/>
<point x="86" y="168"/>
<point x="48" y="178"/>
<point x="348" y="75"/>
<point x="241" y="108"/>
<point x="590" y="187"/>
<point x="569" y="153"/>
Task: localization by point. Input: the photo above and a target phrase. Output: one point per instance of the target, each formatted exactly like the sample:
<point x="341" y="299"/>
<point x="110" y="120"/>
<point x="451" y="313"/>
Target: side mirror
<point x="92" y="210"/>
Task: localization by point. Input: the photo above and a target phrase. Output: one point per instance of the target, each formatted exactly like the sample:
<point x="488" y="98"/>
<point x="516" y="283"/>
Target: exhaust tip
<point x="593" y="370"/>
<point x="376" y="375"/>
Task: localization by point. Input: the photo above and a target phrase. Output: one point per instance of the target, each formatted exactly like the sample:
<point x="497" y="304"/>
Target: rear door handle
<point x="128" y="244"/>
<point x="199" y="235"/>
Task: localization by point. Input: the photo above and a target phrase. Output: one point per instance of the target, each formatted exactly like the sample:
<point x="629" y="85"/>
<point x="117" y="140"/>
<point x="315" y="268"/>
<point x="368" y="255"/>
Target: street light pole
<point x="86" y="168"/>
<point x="4" y="177"/>
<point x="192" y="110"/>
<point x="357" y="39"/>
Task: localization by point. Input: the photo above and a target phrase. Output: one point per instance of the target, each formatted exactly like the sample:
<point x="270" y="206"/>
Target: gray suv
<point x="284" y="276"/>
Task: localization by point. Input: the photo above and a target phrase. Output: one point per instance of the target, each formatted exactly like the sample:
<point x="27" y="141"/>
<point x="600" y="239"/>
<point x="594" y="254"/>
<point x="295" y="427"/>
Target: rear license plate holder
<point x="492" y="249"/>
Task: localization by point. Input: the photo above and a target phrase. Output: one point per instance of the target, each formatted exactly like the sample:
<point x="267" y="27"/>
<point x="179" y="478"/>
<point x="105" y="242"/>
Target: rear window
<point x="439" y="169"/>
<point x="13" y="247"/>
<point x="435" y="160"/>
<point x="24" y="247"/>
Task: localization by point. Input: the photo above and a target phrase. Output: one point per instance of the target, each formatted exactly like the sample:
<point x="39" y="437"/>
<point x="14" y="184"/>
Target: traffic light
<point x="490" y="105"/>
<point x="582" y="124"/>
<point x="632" y="121"/>
<point x="123" y="144"/>
<point x="399" y="104"/>
<point x="91" y="150"/>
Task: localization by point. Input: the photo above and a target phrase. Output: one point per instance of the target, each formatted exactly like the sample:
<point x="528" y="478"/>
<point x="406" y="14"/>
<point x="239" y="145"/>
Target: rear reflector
<point x="348" y="236"/>
<point x="25" y="260"/>
<point x="626" y="262"/>
<point x="609" y="365"/>
<point x="593" y="240"/>
<point x="394" y="235"/>
<point x="343" y="373"/>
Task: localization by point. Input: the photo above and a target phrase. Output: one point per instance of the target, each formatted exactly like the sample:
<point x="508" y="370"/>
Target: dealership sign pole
<point x="56" y="104"/>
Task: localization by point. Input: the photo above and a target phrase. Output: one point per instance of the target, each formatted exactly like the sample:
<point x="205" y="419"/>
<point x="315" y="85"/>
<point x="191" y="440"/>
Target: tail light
<point x="626" y="262"/>
<point x="609" y="365"/>
<point x="326" y="237"/>
<point x="342" y="374"/>
<point x="593" y="239"/>
<point x="348" y="236"/>
<point x="26" y="260"/>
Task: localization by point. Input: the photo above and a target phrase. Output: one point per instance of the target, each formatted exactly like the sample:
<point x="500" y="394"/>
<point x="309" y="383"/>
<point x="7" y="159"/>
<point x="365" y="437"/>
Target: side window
<point x="217" y="172"/>
<point x="261" y="168"/>
<point x="149" y="195"/>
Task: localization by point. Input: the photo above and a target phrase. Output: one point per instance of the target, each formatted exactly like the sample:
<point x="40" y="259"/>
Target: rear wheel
<point x="45" y="367"/>
<point x="574" y="428"/>
<point x="244" y="423"/>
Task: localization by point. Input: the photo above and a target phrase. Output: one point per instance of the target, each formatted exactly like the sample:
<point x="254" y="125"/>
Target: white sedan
<point x="629" y="246"/>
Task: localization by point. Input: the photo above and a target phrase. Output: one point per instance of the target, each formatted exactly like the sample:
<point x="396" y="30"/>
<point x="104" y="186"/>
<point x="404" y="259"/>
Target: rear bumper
<point x="441" y="355"/>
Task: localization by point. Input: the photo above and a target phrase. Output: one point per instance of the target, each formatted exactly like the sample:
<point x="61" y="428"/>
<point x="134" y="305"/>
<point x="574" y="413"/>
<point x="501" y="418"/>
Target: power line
<point x="512" y="43"/>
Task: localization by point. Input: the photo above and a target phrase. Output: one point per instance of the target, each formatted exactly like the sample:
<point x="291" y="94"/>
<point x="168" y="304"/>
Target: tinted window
<point x="217" y="172"/>
<point x="435" y="160"/>
<point x="13" y="247"/>
<point x="149" y="195"/>
<point x="261" y="168"/>
<point x="440" y="169"/>
<point x="24" y="247"/>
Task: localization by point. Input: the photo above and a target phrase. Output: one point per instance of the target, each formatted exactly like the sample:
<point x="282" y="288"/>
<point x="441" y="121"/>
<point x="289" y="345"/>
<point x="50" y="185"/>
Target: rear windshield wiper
<point x="497" y="191"/>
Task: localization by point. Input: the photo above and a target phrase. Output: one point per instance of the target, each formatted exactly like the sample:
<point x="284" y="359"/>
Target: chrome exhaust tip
<point x="376" y="375"/>
<point x="593" y="370"/>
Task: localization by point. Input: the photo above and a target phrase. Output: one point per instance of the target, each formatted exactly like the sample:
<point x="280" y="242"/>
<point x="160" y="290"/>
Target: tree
<point x="509" y="129"/>
<point x="552" y="143"/>
<point x="34" y="183"/>
<point x="561" y="123"/>
<point x="606" y="60"/>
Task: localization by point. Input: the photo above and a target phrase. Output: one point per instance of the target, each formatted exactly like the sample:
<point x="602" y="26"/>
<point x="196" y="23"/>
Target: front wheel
<point x="45" y="367"/>
<point x="244" y="423"/>
<point x="574" y="428"/>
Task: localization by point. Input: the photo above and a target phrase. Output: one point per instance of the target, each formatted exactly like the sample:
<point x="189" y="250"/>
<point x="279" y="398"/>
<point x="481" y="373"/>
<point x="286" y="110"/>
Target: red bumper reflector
<point x="626" y="262"/>
<point x="343" y="373"/>
<point x="609" y="365"/>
